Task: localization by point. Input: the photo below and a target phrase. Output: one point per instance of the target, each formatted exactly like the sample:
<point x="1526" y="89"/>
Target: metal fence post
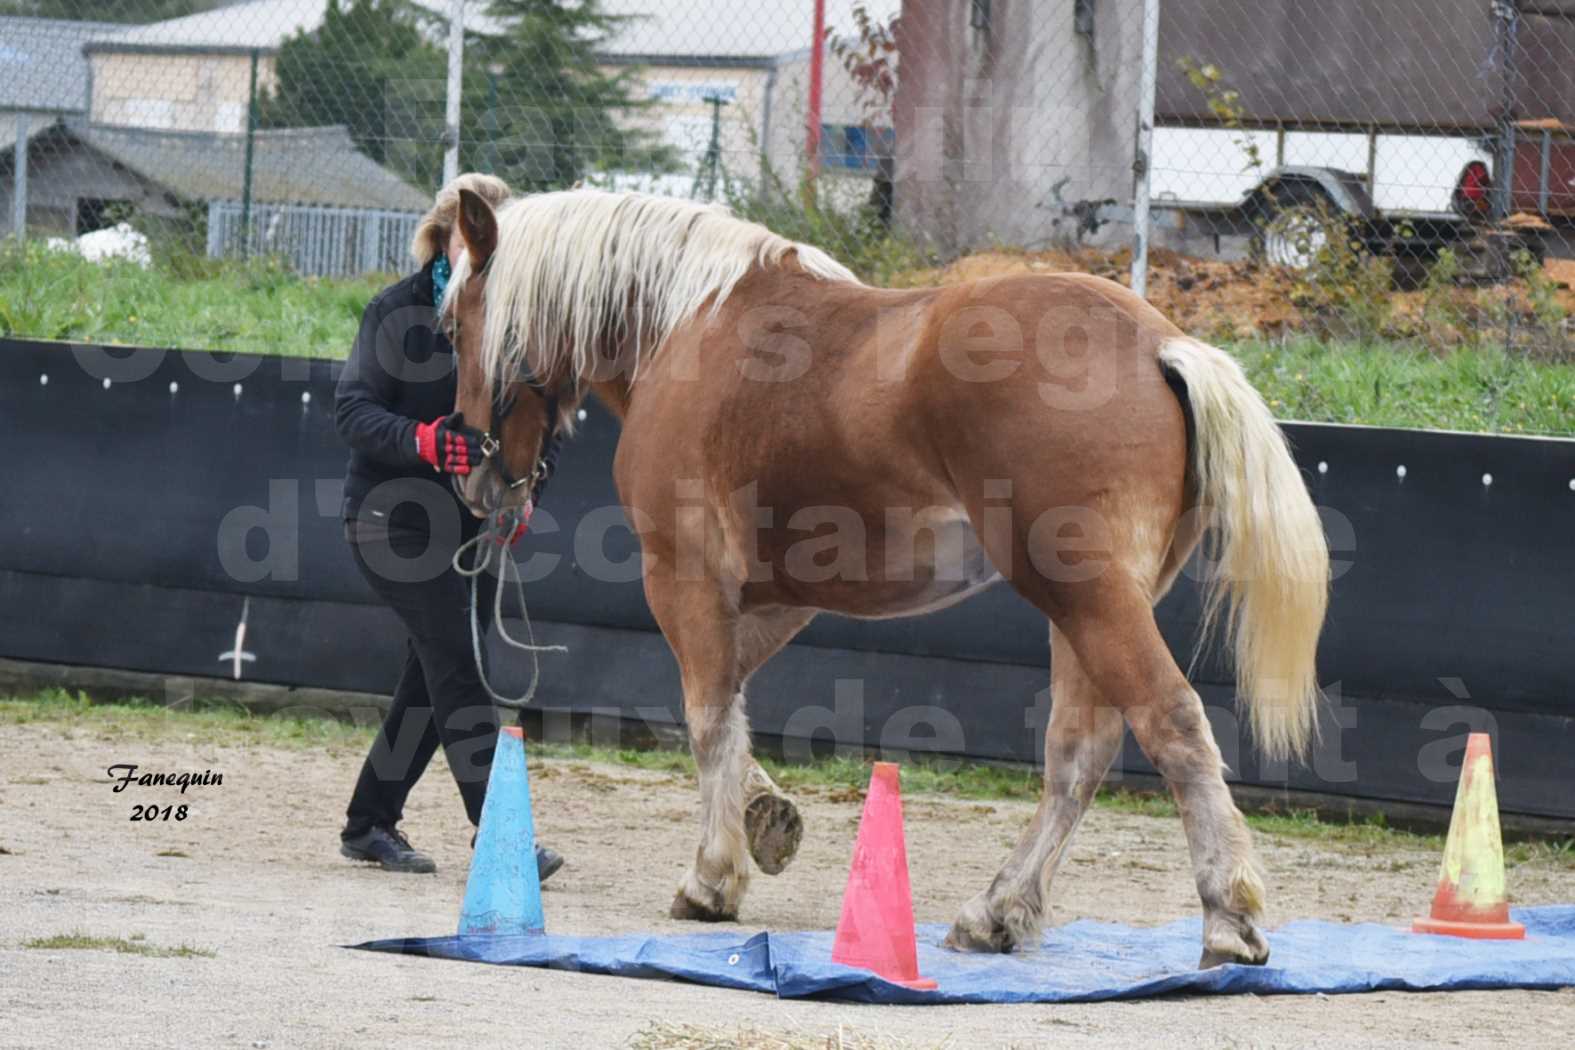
<point x="215" y="229"/>
<point x="1506" y="14"/>
<point x="456" y="83"/>
<point x="19" y="180"/>
<point x="1145" y="145"/>
<point x="371" y="225"/>
<point x="246" y="174"/>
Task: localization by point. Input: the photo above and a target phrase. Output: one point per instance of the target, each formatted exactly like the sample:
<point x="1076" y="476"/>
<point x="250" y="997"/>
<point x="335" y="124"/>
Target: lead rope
<point x="490" y="542"/>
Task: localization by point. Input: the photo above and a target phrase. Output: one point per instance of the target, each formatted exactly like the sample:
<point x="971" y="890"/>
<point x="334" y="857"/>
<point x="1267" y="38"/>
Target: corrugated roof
<point x="289" y="165"/>
<point x="714" y="29"/>
<point x="261" y="24"/>
<point x="41" y="63"/>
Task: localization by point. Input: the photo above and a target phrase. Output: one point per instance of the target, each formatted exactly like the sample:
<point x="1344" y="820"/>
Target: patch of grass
<point x="1371" y="832"/>
<point x="921" y="775"/>
<point x="215" y="722"/>
<point x="1142" y="803"/>
<point x="136" y="944"/>
<point x="1406" y="385"/>
<point x="1553" y="852"/>
<point x="252" y="307"/>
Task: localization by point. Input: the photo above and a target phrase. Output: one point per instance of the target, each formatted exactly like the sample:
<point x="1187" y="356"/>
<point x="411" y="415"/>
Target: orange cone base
<point x="918" y="982"/>
<point x="1481" y="931"/>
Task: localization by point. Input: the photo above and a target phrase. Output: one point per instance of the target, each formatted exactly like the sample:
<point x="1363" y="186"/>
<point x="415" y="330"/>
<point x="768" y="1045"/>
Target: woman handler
<point x="403" y="521"/>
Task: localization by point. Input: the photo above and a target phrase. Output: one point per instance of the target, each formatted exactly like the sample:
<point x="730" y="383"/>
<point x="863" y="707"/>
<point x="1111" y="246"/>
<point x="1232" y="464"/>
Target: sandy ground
<point x="254" y="877"/>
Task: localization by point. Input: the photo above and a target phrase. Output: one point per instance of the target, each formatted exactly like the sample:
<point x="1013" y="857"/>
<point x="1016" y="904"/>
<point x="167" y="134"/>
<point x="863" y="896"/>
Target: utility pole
<point x="456" y="74"/>
<point x="1142" y="161"/>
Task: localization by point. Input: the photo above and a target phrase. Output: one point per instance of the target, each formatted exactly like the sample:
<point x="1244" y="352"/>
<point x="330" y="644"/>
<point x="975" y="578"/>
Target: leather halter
<point x="503" y="402"/>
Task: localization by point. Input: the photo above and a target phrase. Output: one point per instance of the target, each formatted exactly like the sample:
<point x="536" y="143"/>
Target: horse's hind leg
<point x="1080" y="743"/>
<point x="1119" y="645"/>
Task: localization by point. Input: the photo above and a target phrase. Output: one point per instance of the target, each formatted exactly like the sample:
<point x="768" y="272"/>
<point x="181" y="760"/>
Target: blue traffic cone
<point x="503" y="894"/>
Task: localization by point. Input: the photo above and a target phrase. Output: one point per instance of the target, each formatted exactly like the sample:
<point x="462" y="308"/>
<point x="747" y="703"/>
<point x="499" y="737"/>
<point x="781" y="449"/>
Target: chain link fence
<point x="1361" y="169"/>
<point x="1402" y="169"/>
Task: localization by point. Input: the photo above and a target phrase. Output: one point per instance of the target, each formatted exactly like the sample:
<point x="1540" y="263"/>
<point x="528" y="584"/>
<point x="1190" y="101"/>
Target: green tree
<point x="550" y="108"/>
<point x="537" y="109"/>
<point x="370" y="67"/>
<point x="135" y="11"/>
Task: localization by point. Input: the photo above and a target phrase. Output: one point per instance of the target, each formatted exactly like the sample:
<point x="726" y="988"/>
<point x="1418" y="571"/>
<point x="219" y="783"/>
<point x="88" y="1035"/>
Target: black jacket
<point x="401" y="372"/>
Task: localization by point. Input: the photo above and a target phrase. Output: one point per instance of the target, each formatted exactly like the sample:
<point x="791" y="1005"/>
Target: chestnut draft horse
<point x="795" y="441"/>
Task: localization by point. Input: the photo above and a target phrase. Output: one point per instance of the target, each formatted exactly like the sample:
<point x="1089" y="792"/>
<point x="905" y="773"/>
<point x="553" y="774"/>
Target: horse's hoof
<point x="774" y="829"/>
<point x="977" y="931"/>
<point x="686" y="910"/>
<point x="970" y="939"/>
<point x="1230" y="941"/>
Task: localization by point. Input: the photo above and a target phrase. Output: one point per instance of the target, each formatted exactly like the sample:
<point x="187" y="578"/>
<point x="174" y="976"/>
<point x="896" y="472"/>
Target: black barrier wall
<point x="151" y="492"/>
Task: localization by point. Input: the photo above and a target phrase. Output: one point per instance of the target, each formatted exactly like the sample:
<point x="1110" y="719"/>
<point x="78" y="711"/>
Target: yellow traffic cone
<point x="1471" y="900"/>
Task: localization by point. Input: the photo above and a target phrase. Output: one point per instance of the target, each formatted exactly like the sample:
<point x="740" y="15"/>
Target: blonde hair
<point x="579" y="271"/>
<point x="432" y="233"/>
<point x="1270" y="587"/>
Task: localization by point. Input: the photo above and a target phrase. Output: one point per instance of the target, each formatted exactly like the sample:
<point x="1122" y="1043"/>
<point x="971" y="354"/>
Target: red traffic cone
<point x="1471" y="900"/>
<point x="876" y="931"/>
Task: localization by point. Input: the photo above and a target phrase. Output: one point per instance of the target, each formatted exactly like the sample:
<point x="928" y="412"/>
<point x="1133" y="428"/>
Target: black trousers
<point x="439" y="698"/>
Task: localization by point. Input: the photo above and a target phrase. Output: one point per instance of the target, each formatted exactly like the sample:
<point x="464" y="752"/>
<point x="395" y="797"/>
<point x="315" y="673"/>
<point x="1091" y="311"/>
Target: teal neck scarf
<point x="440" y="276"/>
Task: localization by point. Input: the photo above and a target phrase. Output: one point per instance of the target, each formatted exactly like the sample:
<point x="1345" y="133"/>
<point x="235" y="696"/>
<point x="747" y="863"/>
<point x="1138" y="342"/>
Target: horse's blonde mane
<point x="583" y="273"/>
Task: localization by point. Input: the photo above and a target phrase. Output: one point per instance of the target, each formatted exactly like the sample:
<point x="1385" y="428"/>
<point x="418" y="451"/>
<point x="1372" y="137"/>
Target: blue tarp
<point x="1080" y="962"/>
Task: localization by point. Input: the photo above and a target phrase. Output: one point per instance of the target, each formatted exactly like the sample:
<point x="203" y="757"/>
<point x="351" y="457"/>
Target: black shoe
<point x="389" y="849"/>
<point x="548" y="861"/>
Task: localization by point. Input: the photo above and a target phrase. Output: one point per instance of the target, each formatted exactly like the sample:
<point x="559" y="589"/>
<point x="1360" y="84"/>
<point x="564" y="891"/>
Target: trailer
<point x="1412" y="127"/>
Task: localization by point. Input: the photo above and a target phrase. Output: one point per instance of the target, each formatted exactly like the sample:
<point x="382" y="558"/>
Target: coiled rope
<point x="493" y="543"/>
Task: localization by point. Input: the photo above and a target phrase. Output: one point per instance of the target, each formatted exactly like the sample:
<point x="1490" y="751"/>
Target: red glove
<point x="449" y="445"/>
<point x="510" y="526"/>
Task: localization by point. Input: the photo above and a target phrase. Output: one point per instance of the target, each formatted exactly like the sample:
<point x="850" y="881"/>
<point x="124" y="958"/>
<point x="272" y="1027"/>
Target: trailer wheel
<point x="1294" y="225"/>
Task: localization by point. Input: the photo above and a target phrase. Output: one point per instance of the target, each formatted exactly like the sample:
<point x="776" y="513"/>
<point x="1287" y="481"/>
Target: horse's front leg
<point x="719" y="739"/>
<point x="771" y="820"/>
<point x="702" y="629"/>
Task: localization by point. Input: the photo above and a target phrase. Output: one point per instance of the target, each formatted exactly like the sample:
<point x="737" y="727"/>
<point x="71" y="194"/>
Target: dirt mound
<point x="1224" y="301"/>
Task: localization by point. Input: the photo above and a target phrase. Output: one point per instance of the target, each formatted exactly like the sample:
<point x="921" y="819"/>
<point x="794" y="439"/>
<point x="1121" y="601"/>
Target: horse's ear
<point x="479" y="227"/>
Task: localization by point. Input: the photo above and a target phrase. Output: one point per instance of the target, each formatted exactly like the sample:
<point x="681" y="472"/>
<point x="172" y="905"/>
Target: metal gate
<point x="317" y="241"/>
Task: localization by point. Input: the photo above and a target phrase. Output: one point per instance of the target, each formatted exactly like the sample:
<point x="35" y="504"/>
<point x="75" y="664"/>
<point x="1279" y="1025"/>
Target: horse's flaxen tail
<point x="1271" y="563"/>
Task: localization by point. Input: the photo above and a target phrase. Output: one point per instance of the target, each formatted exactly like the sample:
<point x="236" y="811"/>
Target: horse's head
<point x="517" y="412"/>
